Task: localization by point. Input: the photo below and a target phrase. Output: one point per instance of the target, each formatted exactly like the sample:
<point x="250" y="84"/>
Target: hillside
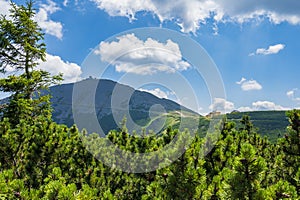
<point x="140" y="103"/>
<point x="268" y="123"/>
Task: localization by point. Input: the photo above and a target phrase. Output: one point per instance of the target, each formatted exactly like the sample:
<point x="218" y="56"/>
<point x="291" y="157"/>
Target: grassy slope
<point x="268" y="123"/>
<point x="271" y="124"/>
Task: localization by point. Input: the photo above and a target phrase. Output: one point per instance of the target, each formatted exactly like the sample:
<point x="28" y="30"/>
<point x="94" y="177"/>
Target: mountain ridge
<point x="109" y="92"/>
<point x="269" y="123"/>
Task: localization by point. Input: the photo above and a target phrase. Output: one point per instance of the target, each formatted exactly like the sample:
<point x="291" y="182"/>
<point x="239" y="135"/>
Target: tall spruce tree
<point x="22" y="49"/>
<point x="21" y="40"/>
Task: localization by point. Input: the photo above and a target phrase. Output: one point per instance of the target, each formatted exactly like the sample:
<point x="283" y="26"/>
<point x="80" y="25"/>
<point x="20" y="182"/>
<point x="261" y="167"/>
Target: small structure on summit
<point x="213" y="114"/>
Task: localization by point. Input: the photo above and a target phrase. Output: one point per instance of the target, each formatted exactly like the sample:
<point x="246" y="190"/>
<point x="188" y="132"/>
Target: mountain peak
<point x="112" y="102"/>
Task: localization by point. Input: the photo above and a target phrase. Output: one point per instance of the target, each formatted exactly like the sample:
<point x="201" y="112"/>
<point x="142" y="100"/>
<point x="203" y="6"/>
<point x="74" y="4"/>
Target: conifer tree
<point x="248" y="171"/>
<point x="291" y="149"/>
<point x="21" y="40"/>
<point x="22" y="49"/>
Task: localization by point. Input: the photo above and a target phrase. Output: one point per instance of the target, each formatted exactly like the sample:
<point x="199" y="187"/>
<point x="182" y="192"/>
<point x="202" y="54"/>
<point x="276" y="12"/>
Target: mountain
<point x="163" y="112"/>
<point x="114" y="101"/>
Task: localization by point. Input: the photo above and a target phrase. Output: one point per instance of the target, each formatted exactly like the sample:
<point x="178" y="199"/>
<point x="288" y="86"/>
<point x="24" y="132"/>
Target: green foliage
<point x="291" y="148"/>
<point x="40" y="159"/>
<point x="269" y="123"/>
<point x="247" y="176"/>
<point x="20" y="38"/>
<point x="22" y="49"/>
<point x="49" y="161"/>
<point x="21" y="107"/>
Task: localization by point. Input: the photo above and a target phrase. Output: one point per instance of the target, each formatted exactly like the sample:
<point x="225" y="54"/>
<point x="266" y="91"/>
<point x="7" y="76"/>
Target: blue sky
<point x="254" y="45"/>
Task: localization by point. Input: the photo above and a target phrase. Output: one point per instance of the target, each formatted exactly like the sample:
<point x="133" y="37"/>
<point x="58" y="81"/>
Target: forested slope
<point x="268" y="123"/>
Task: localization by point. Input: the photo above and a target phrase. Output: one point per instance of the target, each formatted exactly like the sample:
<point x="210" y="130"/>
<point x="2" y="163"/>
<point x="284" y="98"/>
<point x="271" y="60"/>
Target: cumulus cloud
<point x="55" y="65"/>
<point x="241" y="81"/>
<point x="4" y="7"/>
<point x="276" y="11"/>
<point x="248" y="85"/>
<point x="270" y="50"/>
<point x="220" y="104"/>
<point x="129" y="54"/>
<point x="291" y="94"/>
<point x="65" y="3"/>
<point x="42" y="18"/>
<point x="262" y="105"/>
<point x="245" y="109"/>
<point x="267" y="105"/>
<point x="251" y="85"/>
<point x="189" y="15"/>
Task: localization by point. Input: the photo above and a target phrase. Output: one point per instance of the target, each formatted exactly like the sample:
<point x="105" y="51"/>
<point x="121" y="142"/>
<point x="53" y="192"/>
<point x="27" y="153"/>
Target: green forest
<point x="40" y="159"/>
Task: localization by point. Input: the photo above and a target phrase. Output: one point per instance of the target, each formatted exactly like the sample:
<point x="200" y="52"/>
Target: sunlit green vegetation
<point x="40" y="159"/>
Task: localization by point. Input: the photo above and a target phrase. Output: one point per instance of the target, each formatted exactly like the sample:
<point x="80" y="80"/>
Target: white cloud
<point x="189" y="15"/>
<point x="291" y="94"/>
<point x="220" y="104"/>
<point x="42" y="17"/>
<point x="241" y="81"/>
<point x="262" y="105"/>
<point x="65" y="3"/>
<point x="156" y="92"/>
<point x="278" y="18"/>
<point x="251" y="85"/>
<point x="4" y="7"/>
<point x="248" y="85"/>
<point x="267" y="105"/>
<point x="270" y="50"/>
<point x="244" y="109"/>
<point x="55" y="65"/>
<point x="276" y="11"/>
<point x="129" y="54"/>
